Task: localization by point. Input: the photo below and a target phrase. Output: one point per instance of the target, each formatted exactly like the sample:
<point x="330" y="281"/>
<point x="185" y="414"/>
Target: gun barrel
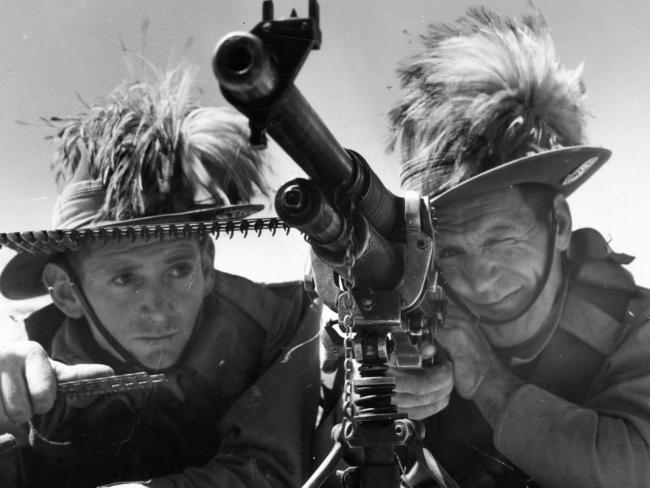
<point x="251" y="80"/>
<point x="243" y="68"/>
<point x="301" y="204"/>
<point x="304" y="136"/>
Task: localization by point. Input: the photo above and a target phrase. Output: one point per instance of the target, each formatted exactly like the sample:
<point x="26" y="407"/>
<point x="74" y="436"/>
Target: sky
<point x="58" y="56"/>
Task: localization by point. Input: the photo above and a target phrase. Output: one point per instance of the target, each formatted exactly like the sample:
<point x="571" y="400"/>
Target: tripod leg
<point x="426" y="468"/>
<point x="326" y="468"/>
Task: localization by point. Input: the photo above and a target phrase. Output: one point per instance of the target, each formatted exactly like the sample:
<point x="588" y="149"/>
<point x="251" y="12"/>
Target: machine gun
<point x="376" y="248"/>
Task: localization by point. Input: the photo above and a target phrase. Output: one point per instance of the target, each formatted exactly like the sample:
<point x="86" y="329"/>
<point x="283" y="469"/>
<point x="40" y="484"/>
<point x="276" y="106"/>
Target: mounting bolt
<point x="367" y="302"/>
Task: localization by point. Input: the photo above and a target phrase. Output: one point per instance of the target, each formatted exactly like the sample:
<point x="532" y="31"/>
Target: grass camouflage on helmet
<point x="147" y="162"/>
<point x="488" y="104"/>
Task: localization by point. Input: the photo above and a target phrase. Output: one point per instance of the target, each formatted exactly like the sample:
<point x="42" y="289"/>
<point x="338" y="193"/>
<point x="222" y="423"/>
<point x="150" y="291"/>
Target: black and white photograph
<point x="305" y="243"/>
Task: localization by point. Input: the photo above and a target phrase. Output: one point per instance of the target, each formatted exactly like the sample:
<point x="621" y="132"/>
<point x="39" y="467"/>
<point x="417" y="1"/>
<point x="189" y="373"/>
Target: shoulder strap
<point x="599" y="279"/>
<point x="593" y="263"/>
<point x="599" y="274"/>
<point x="638" y="310"/>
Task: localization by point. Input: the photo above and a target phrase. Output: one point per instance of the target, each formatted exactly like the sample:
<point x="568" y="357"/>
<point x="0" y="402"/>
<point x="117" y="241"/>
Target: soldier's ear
<point x="563" y="223"/>
<point x="207" y="264"/>
<point x="57" y="282"/>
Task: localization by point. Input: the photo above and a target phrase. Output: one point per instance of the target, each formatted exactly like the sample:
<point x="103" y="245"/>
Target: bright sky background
<point x="56" y="53"/>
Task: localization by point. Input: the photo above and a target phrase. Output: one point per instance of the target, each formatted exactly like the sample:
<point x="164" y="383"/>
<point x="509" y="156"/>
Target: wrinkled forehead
<point x="111" y="250"/>
<point x="491" y="208"/>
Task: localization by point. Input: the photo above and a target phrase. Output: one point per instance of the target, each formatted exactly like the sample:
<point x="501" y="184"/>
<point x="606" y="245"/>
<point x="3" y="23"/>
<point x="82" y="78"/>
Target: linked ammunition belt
<point x="55" y="241"/>
<point x="51" y="242"/>
<point x="107" y="385"/>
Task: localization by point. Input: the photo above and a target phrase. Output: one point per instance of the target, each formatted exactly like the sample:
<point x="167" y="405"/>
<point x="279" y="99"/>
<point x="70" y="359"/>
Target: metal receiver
<point x="256" y="72"/>
<point x="380" y="245"/>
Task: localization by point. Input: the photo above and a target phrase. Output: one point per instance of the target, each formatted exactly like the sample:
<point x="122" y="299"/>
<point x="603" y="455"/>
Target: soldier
<point x="235" y="408"/>
<point x="547" y="334"/>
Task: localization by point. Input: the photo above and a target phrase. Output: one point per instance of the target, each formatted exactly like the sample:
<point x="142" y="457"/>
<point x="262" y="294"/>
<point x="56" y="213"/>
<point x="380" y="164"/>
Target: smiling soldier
<point x="236" y="406"/>
<point x="547" y="335"/>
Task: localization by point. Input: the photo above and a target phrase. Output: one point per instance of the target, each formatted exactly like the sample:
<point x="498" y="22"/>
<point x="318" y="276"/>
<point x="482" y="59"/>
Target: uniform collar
<point x="530" y="349"/>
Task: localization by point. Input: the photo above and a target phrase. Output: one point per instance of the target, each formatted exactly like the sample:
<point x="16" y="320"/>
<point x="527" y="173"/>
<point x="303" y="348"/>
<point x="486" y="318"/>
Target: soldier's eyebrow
<point x="181" y="255"/>
<point x="125" y="261"/>
<point x="112" y="265"/>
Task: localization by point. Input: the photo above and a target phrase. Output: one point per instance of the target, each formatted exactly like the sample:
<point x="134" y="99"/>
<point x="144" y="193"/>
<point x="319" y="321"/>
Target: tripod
<point x="372" y="424"/>
<point x="380" y="244"/>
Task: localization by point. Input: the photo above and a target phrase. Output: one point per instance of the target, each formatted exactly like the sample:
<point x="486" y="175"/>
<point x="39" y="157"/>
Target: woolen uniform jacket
<point x="237" y="411"/>
<point x="582" y="418"/>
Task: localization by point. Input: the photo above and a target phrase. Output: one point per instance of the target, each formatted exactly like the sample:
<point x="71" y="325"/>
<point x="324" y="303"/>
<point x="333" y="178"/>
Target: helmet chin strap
<point x="91" y="317"/>
<point x="548" y="264"/>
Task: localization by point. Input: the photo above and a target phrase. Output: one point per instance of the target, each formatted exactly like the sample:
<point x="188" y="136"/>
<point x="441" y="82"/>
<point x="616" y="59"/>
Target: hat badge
<point x="579" y="171"/>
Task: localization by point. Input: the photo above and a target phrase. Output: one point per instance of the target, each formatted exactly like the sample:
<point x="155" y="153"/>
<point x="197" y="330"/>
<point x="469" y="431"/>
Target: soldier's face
<point x="147" y="295"/>
<point x="492" y="251"/>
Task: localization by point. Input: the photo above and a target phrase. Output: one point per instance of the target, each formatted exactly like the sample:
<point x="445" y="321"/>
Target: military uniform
<point x="582" y="418"/>
<point x="237" y="410"/>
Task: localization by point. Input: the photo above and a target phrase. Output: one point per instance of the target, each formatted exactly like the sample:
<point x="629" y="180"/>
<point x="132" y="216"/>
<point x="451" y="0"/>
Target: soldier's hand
<point x="472" y="357"/>
<point x="28" y="380"/>
<point x="423" y="392"/>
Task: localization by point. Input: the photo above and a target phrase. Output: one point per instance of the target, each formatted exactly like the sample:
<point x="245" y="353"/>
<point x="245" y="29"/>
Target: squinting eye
<point x="124" y="279"/>
<point x="181" y="270"/>
<point x="449" y="252"/>
<point x="500" y="242"/>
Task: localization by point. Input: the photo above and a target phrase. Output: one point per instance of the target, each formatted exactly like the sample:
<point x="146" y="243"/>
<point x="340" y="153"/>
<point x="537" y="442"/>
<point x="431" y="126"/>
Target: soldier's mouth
<point x="158" y="337"/>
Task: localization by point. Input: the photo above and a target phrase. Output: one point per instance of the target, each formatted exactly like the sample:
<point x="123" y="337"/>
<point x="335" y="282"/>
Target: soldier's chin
<point x="158" y="360"/>
<point x="503" y="310"/>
